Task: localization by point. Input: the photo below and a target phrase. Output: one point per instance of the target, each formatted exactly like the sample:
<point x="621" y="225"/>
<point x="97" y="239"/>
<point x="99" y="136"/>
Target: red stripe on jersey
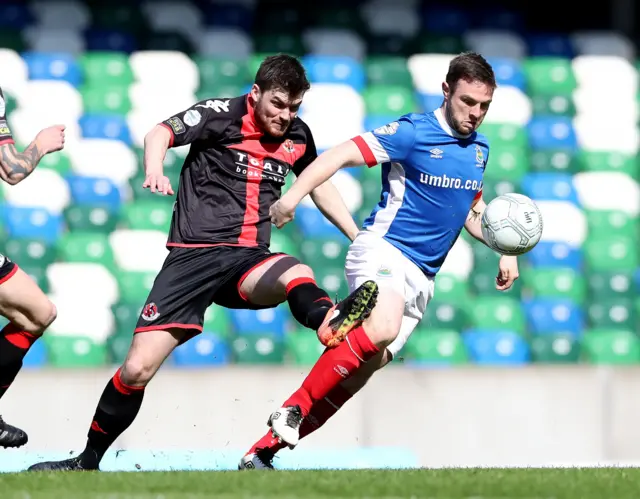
<point x="366" y="151"/>
<point x="477" y="197"/>
<point x="173" y="136"/>
<point x="6" y="141"/>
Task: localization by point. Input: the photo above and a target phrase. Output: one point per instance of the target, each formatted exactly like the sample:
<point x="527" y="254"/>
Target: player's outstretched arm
<point x="474" y="219"/>
<point x="329" y="201"/>
<point x="15" y="166"/>
<point x="156" y="145"/>
<point x="317" y="173"/>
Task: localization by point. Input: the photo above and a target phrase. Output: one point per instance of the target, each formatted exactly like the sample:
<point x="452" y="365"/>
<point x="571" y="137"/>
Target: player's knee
<point x="137" y="372"/>
<point x="38" y="322"/>
<point x="381" y="327"/>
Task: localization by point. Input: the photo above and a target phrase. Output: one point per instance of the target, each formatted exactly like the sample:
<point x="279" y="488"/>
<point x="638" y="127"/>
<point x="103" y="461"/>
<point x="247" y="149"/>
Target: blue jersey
<point x="431" y="176"/>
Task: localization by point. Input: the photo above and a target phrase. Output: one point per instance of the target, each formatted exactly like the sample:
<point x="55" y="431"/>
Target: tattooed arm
<point x="15" y="166"/>
<point x="474" y="219"/>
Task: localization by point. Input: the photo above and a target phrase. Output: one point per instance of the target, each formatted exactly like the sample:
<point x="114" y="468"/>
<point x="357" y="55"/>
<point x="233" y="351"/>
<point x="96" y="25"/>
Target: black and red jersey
<point x="232" y="174"/>
<point x="5" y="132"/>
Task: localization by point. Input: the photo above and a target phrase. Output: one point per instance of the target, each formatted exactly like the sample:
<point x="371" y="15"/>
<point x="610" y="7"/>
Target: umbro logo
<point x="436" y="153"/>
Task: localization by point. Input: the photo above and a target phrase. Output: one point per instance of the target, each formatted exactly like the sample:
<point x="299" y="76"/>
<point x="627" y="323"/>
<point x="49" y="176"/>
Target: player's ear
<point x="445" y="89"/>
<point x="255" y="92"/>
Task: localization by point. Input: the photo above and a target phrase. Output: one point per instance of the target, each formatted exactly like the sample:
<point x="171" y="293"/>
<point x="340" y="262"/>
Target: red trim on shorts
<point x="366" y="151"/>
<point x="164" y="327"/>
<point x="10" y="274"/>
<point x="204" y="245"/>
<point x="297" y="282"/>
<point x="7" y="141"/>
<point x="246" y="274"/>
<point x="173" y="135"/>
<point x="122" y="387"/>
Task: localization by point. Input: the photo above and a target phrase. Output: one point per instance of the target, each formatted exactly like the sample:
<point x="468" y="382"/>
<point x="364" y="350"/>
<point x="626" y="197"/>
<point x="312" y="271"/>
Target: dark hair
<point x="284" y="72"/>
<point x="470" y="66"/>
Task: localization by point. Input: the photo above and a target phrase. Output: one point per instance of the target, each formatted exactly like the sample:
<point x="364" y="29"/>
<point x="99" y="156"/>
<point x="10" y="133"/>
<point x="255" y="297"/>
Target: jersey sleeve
<point x="391" y="142"/>
<point x="478" y="196"/>
<point x="310" y="153"/>
<point x="5" y="131"/>
<point x="204" y="120"/>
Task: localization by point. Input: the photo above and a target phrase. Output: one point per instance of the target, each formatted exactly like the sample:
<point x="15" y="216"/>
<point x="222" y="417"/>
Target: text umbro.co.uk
<point x="450" y="182"/>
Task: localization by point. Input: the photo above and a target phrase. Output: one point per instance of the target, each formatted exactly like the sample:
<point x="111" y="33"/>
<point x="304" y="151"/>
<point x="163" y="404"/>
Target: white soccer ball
<point x="512" y="224"/>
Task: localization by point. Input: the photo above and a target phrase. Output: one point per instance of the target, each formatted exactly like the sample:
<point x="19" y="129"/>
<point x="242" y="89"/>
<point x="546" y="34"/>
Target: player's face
<point x="467" y="105"/>
<point x="275" y="109"/>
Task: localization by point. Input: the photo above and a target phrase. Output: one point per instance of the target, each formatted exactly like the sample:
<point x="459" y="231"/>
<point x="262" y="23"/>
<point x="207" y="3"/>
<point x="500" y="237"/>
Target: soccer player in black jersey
<point x="241" y="150"/>
<point x="21" y="300"/>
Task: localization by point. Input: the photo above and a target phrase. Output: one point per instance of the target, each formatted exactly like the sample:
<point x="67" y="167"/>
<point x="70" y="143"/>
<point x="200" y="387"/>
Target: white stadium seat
<point x="564" y="222"/>
<point x="606" y="43"/>
<point x="55" y="40"/>
<point x="169" y="70"/>
<point x="69" y="279"/>
<point x="334" y="42"/>
<point x="13" y="71"/>
<point x="44" y="188"/>
<point x="225" y="42"/>
<point x="105" y="158"/>
<point x="496" y="43"/>
<point x="459" y="261"/>
<point x="82" y="316"/>
<point x="608" y="191"/>
<point x="393" y="19"/>
<point x="62" y="14"/>
<point x="139" y="250"/>
<point x="509" y="105"/>
<point x="428" y="71"/>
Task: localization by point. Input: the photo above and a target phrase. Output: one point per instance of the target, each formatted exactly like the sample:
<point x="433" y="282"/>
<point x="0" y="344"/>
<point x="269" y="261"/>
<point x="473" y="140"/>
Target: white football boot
<point x="285" y="424"/>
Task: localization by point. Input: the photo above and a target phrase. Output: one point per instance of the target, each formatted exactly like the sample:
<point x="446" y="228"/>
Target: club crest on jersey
<point x="479" y="157"/>
<point x="176" y="125"/>
<point x="287" y="145"/>
<point x="150" y="312"/>
<point x="192" y="117"/>
<point x="389" y="129"/>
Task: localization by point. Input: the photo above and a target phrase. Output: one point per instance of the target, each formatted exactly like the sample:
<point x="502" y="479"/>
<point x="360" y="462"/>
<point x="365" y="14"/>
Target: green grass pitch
<point x="569" y="483"/>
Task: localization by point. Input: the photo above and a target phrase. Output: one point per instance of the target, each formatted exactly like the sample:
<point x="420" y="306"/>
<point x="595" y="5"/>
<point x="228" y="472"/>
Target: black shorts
<point x="7" y="268"/>
<point x="191" y="279"/>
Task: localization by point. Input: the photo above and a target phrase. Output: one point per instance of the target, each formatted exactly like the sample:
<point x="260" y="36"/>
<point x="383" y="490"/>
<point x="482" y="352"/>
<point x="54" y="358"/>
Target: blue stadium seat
<point x="552" y="132"/>
<point x="313" y="223"/>
<point x="204" y="350"/>
<point x="500" y="19"/>
<point x="99" y="40"/>
<point x="97" y="126"/>
<point x="36" y="356"/>
<point x="429" y="102"/>
<point x="556" y="254"/>
<point x="52" y="66"/>
<point x="550" y="187"/>
<point x="15" y="15"/>
<point x="550" y="45"/>
<point x="496" y="347"/>
<point x="508" y="72"/>
<point x="94" y="191"/>
<point x="445" y="20"/>
<point x="32" y="223"/>
<point x="552" y="315"/>
<point x="372" y="122"/>
<point x="334" y="69"/>
<point x="229" y="16"/>
<point x="252" y="322"/>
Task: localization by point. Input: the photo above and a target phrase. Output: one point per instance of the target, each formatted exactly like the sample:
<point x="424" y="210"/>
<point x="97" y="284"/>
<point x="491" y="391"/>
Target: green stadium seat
<point x="134" y="287"/>
<point x="331" y="279"/>
<point x="38" y="273"/>
<point x="337" y="18"/>
<point x="216" y="320"/>
<point x="12" y="39"/>
<point x="497" y="312"/>
<point x="612" y="253"/>
<point x="610" y="284"/>
<point x="258" y="349"/>
<point x="217" y="73"/>
<point x="85" y="247"/>
<point x="452" y="288"/>
<point x="106" y="69"/>
<point x="549" y="75"/>
<point x="439" y="44"/>
<point x="324" y="252"/>
<point x="126" y="316"/>
<point x="391" y="71"/>
<point x="613" y="313"/>
<point x="607" y="161"/>
<point x="500" y="134"/>
<point x="119" y="17"/>
<point x="554" y="283"/>
<point x="148" y="215"/>
<point x="90" y="219"/>
<point x="303" y="349"/>
<point x="118" y="347"/>
<point x="282" y="243"/>
<point x="274" y="43"/>
<point x="141" y="194"/>
<point x="507" y="163"/>
<point x="30" y="252"/>
<point x="168" y="41"/>
<point x="553" y="105"/>
<point x="75" y="352"/>
<point x="553" y="160"/>
<point x="57" y="161"/>
<point x="446" y="315"/>
<point x="555" y="349"/>
<point x="605" y="223"/>
<point x="106" y="99"/>
<point x="611" y="346"/>
<point x="389" y="100"/>
<point x="435" y="346"/>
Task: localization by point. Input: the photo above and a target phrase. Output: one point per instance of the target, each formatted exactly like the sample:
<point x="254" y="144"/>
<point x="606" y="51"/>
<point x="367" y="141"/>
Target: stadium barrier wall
<point x="405" y="417"/>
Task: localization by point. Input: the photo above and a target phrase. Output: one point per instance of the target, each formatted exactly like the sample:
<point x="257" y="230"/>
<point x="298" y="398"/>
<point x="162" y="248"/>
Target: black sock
<point x="309" y="304"/>
<point x="14" y="345"/>
<point x="117" y="408"/>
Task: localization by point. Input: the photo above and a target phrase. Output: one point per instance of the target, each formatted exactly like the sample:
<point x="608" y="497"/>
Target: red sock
<point x="320" y="413"/>
<point x="18" y="338"/>
<point x="334" y="366"/>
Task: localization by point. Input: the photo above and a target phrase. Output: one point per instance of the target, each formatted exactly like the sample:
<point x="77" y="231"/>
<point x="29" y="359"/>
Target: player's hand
<point x="158" y="183"/>
<point x="51" y="139"/>
<point x="507" y="272"/>
<point x="281" y="214"/>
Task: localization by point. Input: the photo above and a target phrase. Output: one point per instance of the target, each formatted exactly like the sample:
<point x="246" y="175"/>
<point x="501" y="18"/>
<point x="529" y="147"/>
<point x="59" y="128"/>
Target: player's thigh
<point x="265" y="283"/>
<point x="24" y="303"/>
<point x="147" y="353"/>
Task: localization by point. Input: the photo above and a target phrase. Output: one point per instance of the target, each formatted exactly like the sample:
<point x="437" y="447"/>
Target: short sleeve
<point x="391" y="142"/>
<point x="310" y="153"/>
<point x="5" y="131"/>
<point x="204" y="120"/>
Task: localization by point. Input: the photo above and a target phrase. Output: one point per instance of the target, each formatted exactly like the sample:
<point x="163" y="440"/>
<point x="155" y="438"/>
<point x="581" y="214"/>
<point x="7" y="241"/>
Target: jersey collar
<point x="250" y="119"/>
<point x="445" y="126"/>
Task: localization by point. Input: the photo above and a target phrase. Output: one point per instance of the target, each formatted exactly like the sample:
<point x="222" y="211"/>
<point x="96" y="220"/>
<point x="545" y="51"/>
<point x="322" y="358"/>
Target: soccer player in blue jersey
<point x="432" y="173"/>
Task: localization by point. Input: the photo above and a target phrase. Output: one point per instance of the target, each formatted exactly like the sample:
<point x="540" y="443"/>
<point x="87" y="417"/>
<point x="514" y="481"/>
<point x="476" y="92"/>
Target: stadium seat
<point x="15" y="70"/>
<point x="257" y="322"/>
<point x="555" y="349"/>
<point x="303" y="349"/>
<point x="554" y="315"/>
<point x="32" y="223"/>
<point x="435" y="348"/>
<point x="68" y="279"/>
<point x="611" y="346"/>
<point x="134" y="286"/>
<point x="260" y="349"/>
<point x="496" y="348"/>
<point x="225" y="42"/>
<point x="45" y="188"/>
<point x="334" y="42"/>
<point x="62" y="14"/>
<point x="206" y="349"/>
<point x="75" y="352"/>
<point x="496" y="43"/>
<point x="139" y="250"/>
